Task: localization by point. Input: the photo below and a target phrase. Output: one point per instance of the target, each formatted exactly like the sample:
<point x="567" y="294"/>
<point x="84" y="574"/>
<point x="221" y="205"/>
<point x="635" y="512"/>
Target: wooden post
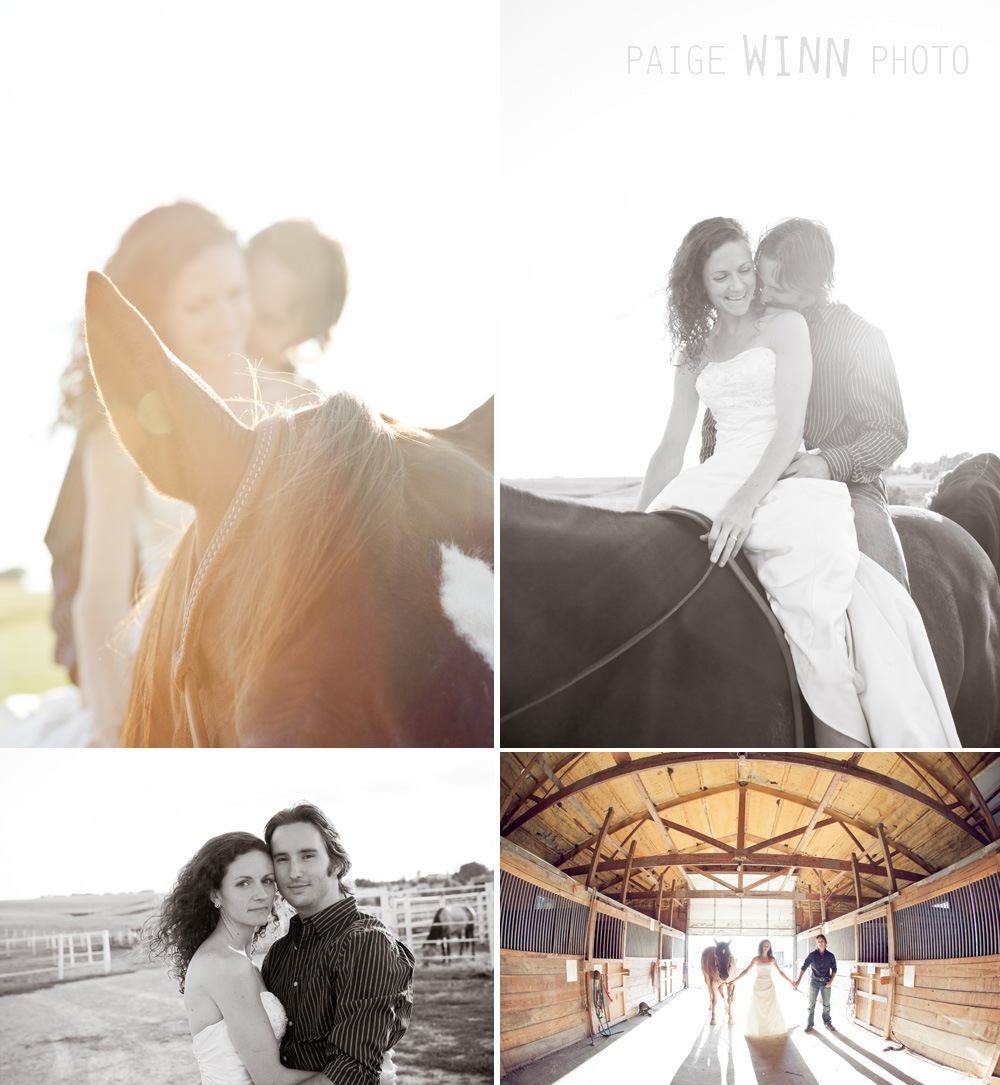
<point x="489" y="922"/>
<point x="857" y="877"/>
<point x="891" y="993"/>
<point x="888" y="858"/>
<point x="670" y="919"/>
<point x="71" y="938"/>
<point x="599" y="843"/>
<point x="61" y="969"/>
<point x="90" y="949"/>
<point x="741" y="829"/>
<point x="659" y="896"/>
<point x="628" y="870"/>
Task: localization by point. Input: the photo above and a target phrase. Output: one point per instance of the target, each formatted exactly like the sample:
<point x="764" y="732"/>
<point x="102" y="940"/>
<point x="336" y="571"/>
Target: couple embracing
<point x="804" y="414"/>
<point x="335" y="992"/>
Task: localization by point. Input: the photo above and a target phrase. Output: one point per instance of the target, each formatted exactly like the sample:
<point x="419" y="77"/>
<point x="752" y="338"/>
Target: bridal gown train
<point x="764" y="1017"/>
<point x="857" y="640"/>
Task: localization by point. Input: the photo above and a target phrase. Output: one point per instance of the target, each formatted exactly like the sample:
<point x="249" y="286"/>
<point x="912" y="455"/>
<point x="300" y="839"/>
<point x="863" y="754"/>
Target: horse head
<point x="723" y="958"/>
<point x="336" y="585"/>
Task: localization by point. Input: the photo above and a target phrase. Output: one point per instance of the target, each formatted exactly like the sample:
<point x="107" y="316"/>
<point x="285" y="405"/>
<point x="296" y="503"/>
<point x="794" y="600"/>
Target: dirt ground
<point x="130" y="1029"/>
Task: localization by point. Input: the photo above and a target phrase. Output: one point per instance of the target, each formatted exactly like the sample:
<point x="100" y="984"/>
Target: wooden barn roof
<point x="810" y="822"/>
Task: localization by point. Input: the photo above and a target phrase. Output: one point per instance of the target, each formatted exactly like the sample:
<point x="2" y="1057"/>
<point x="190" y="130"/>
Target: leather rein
<point x="641" y="635"/>
<point x="194" y="599"/>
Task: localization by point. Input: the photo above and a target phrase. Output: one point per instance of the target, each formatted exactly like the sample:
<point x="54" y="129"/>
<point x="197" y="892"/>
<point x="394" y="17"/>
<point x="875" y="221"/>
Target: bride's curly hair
<point x="770" y="948"/>
<point x="188" y="916"/>
<point x="690" y="316"/>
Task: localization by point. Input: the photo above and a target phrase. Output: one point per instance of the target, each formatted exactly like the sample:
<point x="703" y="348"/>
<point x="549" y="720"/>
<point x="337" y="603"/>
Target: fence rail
<point x="72" y="949"/>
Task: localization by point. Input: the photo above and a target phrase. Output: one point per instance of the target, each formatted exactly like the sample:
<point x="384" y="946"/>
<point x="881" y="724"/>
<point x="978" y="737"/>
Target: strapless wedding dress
<point x="218" y="1059"/>
<point x="857" y="640"/>
<point x="764" y="1017"/>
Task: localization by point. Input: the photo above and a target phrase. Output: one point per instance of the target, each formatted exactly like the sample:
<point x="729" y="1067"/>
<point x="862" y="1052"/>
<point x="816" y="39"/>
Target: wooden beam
<point x="712" y="877"/>
<point x="761" y="864"/>
<point x="757" y="789"/>
<point x="597" y="848"/>
<point x="628" y="871"/>
<point x="816" y="761"/>
<point x="988" y="823"/>
<point x="670" y="920"/>
<point x="857" y="877"/>
<point x="517" y="783"/>
<point x="741" y="829"/>
<point x="688" y="831"/>
<point x="657" y="821"/>
<point x="659" y="896"/>
<point x="887" y="857"/>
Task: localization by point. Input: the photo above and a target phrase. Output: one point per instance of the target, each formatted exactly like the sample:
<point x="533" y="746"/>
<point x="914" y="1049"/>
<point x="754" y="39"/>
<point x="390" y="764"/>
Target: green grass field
<point x="26" y="642"/>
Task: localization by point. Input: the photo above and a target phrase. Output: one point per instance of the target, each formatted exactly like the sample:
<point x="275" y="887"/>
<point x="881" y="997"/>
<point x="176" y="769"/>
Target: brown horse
<point x="335" y="588"/>
<point x="452" y="922"/>
<point x="718" y="966"/>
<point x="579" y="582"/>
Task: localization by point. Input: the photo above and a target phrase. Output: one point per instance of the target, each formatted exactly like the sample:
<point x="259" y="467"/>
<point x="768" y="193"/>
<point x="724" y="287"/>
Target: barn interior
<point x="618" y="868"/>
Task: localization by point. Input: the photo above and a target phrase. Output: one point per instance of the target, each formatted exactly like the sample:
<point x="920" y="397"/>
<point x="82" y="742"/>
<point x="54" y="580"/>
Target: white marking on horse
<point x="467" y="598"/>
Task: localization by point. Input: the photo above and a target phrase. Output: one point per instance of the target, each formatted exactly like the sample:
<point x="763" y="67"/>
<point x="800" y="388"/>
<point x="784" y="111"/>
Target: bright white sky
<point x="601" y="173"/>
<point x="374" y="119"/>
<point x="110" y="821"/>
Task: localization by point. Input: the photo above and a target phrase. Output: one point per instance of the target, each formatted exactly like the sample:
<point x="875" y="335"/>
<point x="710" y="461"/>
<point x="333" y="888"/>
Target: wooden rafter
<point x="817" y="761"/>
<point x="729" y="863"/>
<point x="988" y="823"/>
<point x="757" y="789"/>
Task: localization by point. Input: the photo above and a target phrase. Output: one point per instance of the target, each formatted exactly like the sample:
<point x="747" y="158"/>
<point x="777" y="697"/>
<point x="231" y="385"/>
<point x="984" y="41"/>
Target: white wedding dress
<point x="220" y="1063"/>
<point x="764" y="1017"/>
<point x="58" y="718"/>
<point x="857" y="640"/>
<point x="218" y="1059"/>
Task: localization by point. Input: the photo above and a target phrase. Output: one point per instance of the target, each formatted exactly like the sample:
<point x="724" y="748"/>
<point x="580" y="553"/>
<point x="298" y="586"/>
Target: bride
<point x="857" y="640"/>
<point x="221" y="906"/>
<point x="764" y="1018"/>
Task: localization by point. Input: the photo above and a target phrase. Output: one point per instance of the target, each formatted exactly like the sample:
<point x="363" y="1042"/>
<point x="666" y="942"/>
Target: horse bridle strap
<point x="622" y="648"/>
<point x="194" y="602"/>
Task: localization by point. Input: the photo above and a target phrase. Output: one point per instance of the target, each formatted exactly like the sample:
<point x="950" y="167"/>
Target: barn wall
<point x="547" y="991"/>
<point x="929" y="968"/>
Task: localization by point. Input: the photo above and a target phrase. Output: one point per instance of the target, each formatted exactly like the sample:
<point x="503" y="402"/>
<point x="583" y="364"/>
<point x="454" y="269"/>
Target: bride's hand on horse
<point x="729" y="530"/>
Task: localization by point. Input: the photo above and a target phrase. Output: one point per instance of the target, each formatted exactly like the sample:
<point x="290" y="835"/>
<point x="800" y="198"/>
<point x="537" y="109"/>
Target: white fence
<point x="410" y="915"/>
<point x="65" y="950"/>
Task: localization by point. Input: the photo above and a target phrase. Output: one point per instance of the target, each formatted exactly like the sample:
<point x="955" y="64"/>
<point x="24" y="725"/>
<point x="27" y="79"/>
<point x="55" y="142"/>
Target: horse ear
<point x="179" y="432"/>
<point x="473" y="435"/>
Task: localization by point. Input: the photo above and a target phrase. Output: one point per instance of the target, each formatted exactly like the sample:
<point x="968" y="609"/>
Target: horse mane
<point x="336" y="481"/>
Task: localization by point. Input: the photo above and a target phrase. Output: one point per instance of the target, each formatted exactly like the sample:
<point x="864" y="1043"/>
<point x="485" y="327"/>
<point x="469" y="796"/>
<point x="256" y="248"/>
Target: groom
<point x="343" y="978"/>
<point x="824" y="969"/>
<point x="854" y="421"/>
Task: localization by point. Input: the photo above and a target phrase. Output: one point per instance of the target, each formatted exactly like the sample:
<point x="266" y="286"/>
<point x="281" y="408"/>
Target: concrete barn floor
<point x="678" y="1046"/>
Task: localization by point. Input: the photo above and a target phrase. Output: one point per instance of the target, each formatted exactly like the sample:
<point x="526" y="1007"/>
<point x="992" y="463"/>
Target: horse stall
<point x="923" y="967"/>
<point x="573" y="962"/>
<point x="616" y="869"/>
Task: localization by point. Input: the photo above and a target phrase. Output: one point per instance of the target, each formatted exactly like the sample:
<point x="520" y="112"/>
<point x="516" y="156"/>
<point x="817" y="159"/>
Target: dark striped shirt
<point x="347" y="986"/>
<point x="855" y="413"/>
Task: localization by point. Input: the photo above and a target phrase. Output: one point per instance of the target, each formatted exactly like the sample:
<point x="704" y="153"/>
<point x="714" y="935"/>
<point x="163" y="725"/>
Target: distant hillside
<point x="105" y="911"/>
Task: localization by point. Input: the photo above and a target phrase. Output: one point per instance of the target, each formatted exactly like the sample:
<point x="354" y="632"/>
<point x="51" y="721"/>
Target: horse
<point x="969" y="494"/>
<point x="577" y="582"/>
<point x="451" y="922"/>
<point x="718" y="965"/>
<point x="335" y="587"/>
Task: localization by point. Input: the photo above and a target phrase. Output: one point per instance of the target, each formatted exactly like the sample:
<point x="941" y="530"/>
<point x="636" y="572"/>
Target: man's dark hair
<point x="803" y="256"/>
<point x="305" y="813"/>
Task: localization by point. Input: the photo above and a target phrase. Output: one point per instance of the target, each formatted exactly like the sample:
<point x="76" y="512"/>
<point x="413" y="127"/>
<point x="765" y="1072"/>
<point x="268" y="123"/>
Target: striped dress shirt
<point x="855" y="412"/>
<point x="347" y="986"/>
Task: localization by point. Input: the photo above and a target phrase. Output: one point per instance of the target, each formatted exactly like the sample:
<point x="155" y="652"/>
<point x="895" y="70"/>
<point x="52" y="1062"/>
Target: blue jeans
<point x="819" y="987"/>
<point x="876" y="534"/>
